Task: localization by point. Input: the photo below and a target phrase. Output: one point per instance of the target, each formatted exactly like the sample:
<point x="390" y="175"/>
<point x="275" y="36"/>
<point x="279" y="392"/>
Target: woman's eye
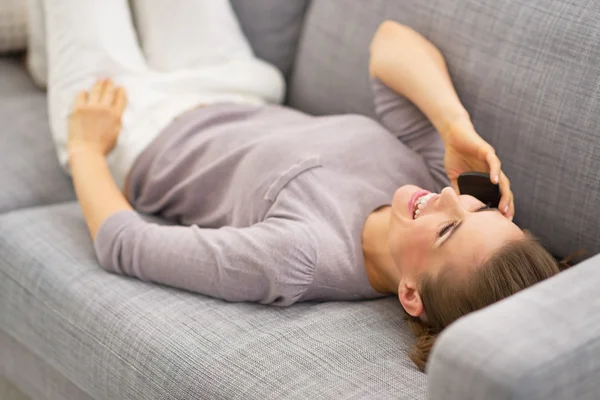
<point x="483" y="208"/>
<point x="445" y="229"/>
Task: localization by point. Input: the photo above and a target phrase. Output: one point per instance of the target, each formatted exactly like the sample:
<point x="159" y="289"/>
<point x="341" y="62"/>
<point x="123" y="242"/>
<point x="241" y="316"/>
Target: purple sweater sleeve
<point x="255" y="264"/>
<point x="401" y="117"/>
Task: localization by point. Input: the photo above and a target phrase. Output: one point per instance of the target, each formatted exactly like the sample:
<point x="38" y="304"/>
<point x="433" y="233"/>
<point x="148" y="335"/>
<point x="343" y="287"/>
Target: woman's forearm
<point x="95" y="187"/>
<point x="412" y="66"/>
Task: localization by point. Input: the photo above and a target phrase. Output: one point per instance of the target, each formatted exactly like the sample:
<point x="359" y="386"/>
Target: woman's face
<point x="430" y="231"/>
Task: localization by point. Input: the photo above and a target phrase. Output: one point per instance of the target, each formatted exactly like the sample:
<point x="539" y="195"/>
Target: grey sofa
<point x="528" y="71"/>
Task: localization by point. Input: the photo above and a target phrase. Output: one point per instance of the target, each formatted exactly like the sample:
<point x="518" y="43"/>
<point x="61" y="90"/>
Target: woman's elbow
<point x="381" y="44"/>
<point x="116" y="251"/>
<point x="109" y="254"/>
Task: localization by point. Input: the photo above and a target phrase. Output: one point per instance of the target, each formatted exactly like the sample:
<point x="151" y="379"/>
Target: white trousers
<point x="195" y="53"/>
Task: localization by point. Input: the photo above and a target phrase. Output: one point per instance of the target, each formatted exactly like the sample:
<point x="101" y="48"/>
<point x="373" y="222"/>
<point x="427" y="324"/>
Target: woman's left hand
<point x="95" y="122"/>
<point x="466" y="151"/>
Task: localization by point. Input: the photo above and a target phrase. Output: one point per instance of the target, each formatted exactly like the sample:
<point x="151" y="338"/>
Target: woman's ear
<point x="410" y="298"/>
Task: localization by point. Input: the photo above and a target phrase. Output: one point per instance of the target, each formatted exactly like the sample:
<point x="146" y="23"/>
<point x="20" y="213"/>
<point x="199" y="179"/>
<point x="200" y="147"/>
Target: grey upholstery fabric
<point x="37" y="379"/>
<point x="273" y="28"/>
<point x="9" y="392"/>
<point x="119" y="338"/>
<point x="542" y="343"/>
<point x="29" y="170"/>
<point x="526" y="70"/>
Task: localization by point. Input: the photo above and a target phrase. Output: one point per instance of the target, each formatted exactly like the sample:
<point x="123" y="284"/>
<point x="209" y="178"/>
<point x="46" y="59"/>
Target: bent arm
<point x="94" y="126"/>
<point x="413" y="67"/>
<point x="407" y="63"/>
<point x="271" y="262"/>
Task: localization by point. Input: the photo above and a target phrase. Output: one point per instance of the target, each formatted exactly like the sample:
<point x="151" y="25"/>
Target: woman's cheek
<point x="420" y="241"/>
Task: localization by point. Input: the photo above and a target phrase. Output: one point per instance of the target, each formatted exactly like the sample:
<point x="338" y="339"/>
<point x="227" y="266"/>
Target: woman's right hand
<point x="95" y="123"/>
<point x="466" y="151"/>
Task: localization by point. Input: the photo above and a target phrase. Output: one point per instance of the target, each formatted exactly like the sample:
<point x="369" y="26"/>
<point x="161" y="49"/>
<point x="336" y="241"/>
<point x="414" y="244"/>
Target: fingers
<point x="108" y="93"/>
<point x="506" y="206"/>
<point x="120" y="100"/>
<point x="104" y="93"/>
<point x="96" y="92"/>
<point x="81" y="99"/>
<point x="495" y="166"/>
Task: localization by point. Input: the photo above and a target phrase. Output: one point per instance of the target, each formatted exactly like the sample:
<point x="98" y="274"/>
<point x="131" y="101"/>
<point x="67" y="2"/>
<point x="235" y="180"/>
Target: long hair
<point x="517" y="265"/>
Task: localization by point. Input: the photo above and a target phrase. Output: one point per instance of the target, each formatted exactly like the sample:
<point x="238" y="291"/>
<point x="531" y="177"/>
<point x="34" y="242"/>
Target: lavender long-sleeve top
<point x="269" y="202"/>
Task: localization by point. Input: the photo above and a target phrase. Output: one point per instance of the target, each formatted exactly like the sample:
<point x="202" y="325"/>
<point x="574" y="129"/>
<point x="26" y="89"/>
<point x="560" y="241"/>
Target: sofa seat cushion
<point x="120" y="338"/>
<point x="29" y="171"/>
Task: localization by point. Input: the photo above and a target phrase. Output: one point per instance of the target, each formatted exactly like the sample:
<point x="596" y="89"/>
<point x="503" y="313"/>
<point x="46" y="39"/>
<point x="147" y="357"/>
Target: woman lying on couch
<point x="271" y="205"/>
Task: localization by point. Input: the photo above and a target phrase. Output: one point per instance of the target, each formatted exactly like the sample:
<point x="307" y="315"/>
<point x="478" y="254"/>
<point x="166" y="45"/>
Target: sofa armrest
<point x="542" y="343"/>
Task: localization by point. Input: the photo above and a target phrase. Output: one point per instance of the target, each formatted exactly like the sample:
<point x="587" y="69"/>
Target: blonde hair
<point x="517" y="265"/>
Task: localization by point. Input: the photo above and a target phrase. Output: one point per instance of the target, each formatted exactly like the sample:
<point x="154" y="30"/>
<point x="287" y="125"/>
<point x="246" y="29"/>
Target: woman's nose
<point x="449" y="194"/>
<point x="449" y="199"/>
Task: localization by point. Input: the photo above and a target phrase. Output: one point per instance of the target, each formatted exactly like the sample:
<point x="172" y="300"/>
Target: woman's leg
<point x="201" y="48"/>
<point x="184" y="34"/>
<point x="36" y="43"/>
<point x="86" y="40"/>
<point x="91" y="39"/>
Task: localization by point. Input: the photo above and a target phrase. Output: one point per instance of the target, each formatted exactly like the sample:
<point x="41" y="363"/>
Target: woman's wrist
<point x="79" y="151"/>
<point x="459" y="123"/>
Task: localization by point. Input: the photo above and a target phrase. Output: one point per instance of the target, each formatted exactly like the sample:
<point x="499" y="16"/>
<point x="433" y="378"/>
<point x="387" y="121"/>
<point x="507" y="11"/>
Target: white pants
<point x="196" y="54"/>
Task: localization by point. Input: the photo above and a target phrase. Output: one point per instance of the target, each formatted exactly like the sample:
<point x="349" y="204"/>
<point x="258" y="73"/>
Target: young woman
<point x="271" y="205"/>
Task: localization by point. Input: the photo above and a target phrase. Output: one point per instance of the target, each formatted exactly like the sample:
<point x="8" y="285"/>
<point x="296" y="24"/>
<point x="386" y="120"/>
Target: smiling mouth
<point x="420" y="202"/>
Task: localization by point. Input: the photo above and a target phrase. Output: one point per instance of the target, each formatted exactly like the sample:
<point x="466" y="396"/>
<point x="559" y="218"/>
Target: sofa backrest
<point x="528" y="71"/>
<point x="272" y="27"/>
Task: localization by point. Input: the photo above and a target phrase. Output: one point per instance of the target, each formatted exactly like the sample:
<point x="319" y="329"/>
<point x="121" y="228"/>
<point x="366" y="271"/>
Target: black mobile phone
<point x="479" y="185"/>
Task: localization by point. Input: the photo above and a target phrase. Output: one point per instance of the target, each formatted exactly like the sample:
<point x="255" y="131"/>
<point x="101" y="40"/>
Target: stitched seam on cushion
<point x="94" y="338"/>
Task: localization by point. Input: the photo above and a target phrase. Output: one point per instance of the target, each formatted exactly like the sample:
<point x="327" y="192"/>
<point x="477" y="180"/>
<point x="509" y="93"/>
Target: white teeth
<point x="421" y="202"/>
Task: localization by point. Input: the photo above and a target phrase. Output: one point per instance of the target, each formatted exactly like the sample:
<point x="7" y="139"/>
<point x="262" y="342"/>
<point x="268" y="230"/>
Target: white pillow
<point x="13" y="25"/>
<point x="36" y="43"/>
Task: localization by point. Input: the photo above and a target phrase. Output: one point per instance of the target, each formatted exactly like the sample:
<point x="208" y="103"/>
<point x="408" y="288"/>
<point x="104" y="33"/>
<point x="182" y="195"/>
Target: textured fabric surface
<point x="29" y="172"/>
<point x="32" y="375"/>
<point x="118" y="338"/>
<point x="13" y="25"/>
<point x="9" y="392"/>
<point x="541" y="344"/>
<point x="273" y="28"/>
<point x="527" y="71"/>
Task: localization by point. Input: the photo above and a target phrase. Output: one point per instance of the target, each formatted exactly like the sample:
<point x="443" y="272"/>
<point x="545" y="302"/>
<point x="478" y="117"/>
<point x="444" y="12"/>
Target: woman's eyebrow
<point x="449" y="235"/>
